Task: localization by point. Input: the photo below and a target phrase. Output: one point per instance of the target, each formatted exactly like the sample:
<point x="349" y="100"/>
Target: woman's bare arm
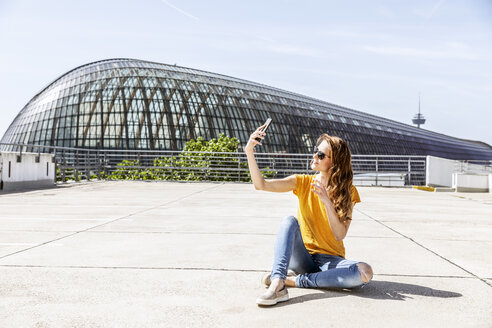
<point x="338" y="228"/>
<point x="275" y="185"/>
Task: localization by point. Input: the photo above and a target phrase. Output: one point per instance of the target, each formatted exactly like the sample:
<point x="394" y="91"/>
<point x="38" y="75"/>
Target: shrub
<point x="195" y="163"/>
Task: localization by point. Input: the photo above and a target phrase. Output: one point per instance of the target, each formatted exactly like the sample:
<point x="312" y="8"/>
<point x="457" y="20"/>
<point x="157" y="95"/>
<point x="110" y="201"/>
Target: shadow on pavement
<point x="389" y="290"/>
<point x="27" y="189"/>
<point x="376" y="289"/>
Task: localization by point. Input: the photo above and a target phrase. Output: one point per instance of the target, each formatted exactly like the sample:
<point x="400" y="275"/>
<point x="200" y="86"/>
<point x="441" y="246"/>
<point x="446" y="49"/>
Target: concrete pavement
<point x="163" y="254"/>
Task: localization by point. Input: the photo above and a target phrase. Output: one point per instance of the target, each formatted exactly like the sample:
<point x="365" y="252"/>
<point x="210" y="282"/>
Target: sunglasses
<point x="320" y="154"/>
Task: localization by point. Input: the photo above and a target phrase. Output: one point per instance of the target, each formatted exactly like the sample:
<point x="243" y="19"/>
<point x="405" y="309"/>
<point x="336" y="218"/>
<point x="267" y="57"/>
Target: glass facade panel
<point x="132" y="104"/>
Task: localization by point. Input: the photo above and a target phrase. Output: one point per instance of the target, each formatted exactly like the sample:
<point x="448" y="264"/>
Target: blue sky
<point x="373" y="56"/>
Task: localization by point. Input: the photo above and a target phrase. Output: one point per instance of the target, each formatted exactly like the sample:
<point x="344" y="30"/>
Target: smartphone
<point x="267" y="124"/>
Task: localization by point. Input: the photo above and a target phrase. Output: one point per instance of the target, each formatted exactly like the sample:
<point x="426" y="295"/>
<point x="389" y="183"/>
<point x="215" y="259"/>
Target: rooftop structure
<point x="139" y="254"/>
<point x="133" y="104"/>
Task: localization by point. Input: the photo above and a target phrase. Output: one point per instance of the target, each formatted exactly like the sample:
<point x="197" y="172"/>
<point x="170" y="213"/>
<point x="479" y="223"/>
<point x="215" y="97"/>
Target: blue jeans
<point x="314" y="270"/>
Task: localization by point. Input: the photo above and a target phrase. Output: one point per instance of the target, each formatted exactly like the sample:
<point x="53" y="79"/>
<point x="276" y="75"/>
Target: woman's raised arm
<point x="276" y="185"/>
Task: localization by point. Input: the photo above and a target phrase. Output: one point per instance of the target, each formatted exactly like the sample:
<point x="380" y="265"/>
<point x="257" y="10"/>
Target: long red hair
<point x="341" y="176"/>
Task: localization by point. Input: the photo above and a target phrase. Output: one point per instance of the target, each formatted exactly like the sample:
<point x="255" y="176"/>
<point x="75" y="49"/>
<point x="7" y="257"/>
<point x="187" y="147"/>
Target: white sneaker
<point x="272" y="298"/>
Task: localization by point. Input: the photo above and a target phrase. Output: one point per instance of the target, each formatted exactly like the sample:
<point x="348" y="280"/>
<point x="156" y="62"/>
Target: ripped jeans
<point x="314" y="270"/>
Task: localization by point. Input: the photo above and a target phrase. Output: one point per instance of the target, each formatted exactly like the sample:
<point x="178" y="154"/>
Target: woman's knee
<point x="365" y="271"/>
<point x="290" y="221"/>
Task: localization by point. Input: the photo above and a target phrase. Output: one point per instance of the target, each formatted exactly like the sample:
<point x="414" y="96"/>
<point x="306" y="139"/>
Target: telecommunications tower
<point x="418" y="119"/>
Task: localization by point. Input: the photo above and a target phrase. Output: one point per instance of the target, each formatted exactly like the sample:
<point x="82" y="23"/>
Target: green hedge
<point x="193" y="164"/>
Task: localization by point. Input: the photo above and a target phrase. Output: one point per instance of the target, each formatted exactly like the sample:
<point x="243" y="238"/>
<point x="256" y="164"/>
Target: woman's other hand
<point x="318" y="186"/>
<point x="252" y="142"/>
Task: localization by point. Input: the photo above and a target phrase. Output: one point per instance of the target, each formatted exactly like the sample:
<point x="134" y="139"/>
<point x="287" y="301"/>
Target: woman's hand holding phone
<point x="256" y="137"/>
<point x="264" y="127"/>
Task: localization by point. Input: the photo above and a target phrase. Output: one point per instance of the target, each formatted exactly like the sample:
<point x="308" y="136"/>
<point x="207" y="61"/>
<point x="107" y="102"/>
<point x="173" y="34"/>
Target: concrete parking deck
<point x="147" y="254"/>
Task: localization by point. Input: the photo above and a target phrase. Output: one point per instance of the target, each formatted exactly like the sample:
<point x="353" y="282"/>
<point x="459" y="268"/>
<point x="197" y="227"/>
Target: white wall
<point x="439" y="172"/>
<point x="380" y="179"/>
<point x="26" y="173"/>
<point x="465" y="182"/>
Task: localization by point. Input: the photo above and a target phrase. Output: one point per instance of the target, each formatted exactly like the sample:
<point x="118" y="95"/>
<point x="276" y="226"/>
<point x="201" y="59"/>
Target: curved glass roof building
<point x="134" y="104"/>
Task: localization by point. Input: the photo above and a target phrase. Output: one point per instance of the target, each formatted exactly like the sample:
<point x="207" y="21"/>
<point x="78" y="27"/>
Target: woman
<point x="311" y="245"/>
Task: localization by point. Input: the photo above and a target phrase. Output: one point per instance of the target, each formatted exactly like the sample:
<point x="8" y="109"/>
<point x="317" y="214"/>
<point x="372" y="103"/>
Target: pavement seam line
<point x="170" y="232"/>
<point x="127" y="268"/>
<point x="99" y="225"/>
<point x="194" y="233"/>
<point x="200" y="269"/>
<point x="426" y="248"/>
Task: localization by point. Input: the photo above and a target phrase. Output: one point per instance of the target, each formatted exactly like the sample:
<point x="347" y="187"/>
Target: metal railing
<point x="474" y="167"/>
<point x="389" y="170"/>
<point x="75" y="164"/>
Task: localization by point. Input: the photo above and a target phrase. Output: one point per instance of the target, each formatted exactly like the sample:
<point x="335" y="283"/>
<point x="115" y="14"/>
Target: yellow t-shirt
<point x="311" y="214"/>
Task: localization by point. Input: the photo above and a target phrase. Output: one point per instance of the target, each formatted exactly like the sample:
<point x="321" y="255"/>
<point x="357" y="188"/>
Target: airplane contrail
<point x="180" y="10"/>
